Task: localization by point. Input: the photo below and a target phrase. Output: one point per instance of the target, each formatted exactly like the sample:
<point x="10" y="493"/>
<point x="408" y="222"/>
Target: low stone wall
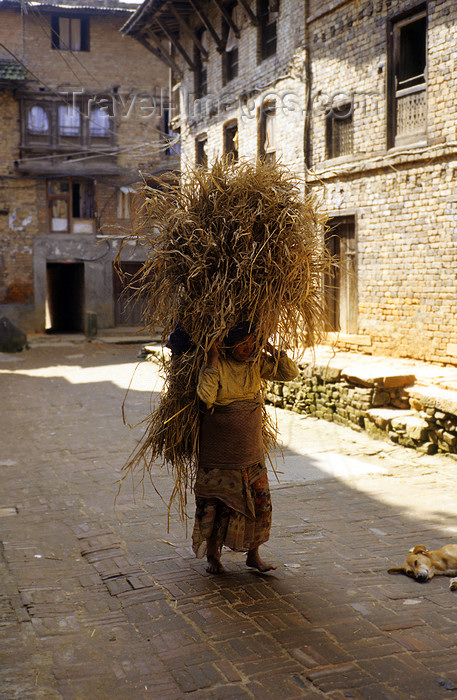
<point x="388" y="407"/>
<point x="388" y="404"/>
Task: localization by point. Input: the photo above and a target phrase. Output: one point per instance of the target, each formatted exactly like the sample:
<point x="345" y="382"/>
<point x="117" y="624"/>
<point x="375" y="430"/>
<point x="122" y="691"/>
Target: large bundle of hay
<point x="237" y="242"/>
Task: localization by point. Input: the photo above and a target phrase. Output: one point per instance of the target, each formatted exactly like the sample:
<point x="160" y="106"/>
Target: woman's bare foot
<point x="214" y="565"/>
<point x="254" y="561"/>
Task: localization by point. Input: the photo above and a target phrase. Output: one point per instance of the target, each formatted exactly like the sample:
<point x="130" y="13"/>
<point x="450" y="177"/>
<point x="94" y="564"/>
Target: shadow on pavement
<point x="105" y="602"/>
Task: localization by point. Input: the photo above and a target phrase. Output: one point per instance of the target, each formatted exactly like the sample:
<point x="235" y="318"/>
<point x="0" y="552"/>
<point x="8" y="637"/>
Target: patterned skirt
<point x="234" y="505"/>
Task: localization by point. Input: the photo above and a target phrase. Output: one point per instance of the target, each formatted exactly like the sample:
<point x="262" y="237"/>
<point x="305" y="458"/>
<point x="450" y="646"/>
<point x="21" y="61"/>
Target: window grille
<point x="411" y="113"/>
<point x="340" y="131"/>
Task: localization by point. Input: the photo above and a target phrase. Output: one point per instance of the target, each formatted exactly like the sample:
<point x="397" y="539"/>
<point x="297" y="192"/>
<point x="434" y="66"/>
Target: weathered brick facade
<point x="402" y="199"/>
<point x="363" y="93"/>
<point x="42" y="259"/>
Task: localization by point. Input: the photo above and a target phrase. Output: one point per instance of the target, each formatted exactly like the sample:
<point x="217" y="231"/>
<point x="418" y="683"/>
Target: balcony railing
<point x="411" y="114"/>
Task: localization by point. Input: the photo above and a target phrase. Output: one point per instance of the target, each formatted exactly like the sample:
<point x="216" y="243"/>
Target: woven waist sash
<point x="231" y="436"/>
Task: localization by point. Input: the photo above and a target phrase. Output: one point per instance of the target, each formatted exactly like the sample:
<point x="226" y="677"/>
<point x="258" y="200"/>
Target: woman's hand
<point x="273" y="352"/>
<point x="213" y="354"/>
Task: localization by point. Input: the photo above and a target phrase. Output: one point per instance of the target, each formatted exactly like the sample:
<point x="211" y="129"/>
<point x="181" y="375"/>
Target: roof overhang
<point x="70" y="7"/>
<point x="159" y="23"/>
<point x="12" y="72"/>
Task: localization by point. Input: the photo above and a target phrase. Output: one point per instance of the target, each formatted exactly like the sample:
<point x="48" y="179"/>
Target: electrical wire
<point x="86" y="154"/>
<point x="45" y="25"/>
<point x="42" y="20"/>
<point x="51" y="90"/>
<point x="157" y="147"/>
<point x="55" y="93"/>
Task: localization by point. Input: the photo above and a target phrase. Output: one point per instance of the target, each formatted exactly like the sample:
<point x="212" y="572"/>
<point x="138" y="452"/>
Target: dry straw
<point x="239" y="241"/>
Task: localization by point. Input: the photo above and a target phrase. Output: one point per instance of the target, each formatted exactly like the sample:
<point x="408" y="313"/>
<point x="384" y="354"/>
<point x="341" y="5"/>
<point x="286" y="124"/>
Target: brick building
<point x="82" y="111"/>
<point x="357" y="97"/>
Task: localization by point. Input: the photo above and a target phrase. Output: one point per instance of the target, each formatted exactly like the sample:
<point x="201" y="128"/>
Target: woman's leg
<point x="208" y="531"/>
<point x="260" y="491"/>
<point x="254" y="561"/>
<point x="213" y="555"/>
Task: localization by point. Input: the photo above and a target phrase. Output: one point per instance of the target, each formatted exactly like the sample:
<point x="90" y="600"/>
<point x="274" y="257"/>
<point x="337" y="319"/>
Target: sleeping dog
<point x="423" y="565"/>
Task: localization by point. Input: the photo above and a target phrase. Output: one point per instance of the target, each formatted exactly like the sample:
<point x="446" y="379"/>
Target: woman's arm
<point x="277" y="365"/>
<point x="208" y="380"/>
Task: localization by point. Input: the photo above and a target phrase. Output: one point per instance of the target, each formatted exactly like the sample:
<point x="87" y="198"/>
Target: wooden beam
<point x="252" y="16"/>
<point x="208" y="25"/>
<point x="186" y="28"/>
<point x="177" y="44"/>
<point x="227" y="18"/>
<point x="159" y="51"/>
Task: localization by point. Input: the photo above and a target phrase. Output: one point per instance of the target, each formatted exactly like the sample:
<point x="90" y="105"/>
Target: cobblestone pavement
<point x="98" y="600"/>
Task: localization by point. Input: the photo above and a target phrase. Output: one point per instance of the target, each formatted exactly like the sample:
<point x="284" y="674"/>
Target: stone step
<point x="376" y="375"/>
<point x="434" y="397"/>
<point x="383" y="417"/>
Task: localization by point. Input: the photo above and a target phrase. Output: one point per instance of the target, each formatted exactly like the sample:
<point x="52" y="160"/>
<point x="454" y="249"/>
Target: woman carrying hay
<point x="233" y="505"/>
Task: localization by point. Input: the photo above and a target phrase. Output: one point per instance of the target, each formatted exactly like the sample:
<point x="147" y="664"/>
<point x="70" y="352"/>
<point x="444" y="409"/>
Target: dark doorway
<point x="340" y="282"/>
<point x="128" y="308"/>
<point x="65" y="297"/>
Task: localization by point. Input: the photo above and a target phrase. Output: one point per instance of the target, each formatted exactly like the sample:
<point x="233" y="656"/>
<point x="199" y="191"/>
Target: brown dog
<point x="423" y="565"/>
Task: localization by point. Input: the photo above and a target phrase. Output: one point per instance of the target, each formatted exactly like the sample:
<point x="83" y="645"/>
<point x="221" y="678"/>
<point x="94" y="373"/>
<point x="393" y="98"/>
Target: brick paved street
<point x="99" y="601"/>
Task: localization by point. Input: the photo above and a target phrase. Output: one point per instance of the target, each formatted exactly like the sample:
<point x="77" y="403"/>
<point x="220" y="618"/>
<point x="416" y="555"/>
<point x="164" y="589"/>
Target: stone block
<point x="415" y="405"/>
<point x="428" y="448"/>
<point x="328" y="373"/>
<point x="442" y="400"/>
<point x="383" y="417"/>
<point x="12" y="339"/>
<point x="443" y="446"/>
<point x="450" y="439"/>
<point x="380" y="398"/>
<point x="287" y="392"/>
<point x="417" y="428"/>
<point x="366" y="375"/>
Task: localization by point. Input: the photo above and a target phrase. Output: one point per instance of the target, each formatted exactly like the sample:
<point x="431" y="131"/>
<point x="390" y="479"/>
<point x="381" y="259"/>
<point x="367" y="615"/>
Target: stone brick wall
<point x="277" y="79"/>
<point x="403" y="201"/>
<point x="137" y="82"/>
<point x="404" y="414"/>
<point x="114" y="64"/>
<point x="395" y="408"/>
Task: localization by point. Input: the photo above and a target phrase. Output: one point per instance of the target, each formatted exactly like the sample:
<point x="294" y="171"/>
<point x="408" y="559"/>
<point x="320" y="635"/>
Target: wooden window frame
<point x="417" y="91"/>
<point x="230" y="59"/>
<point x="56" y="40"/>
<point x="266" y="110"/>
<point x="201" y="157"/>
<point x="55" y="141"/>
<point x="229" y="151"/>
<point x="268" y="31"/>
<point x="68" y="197"/>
